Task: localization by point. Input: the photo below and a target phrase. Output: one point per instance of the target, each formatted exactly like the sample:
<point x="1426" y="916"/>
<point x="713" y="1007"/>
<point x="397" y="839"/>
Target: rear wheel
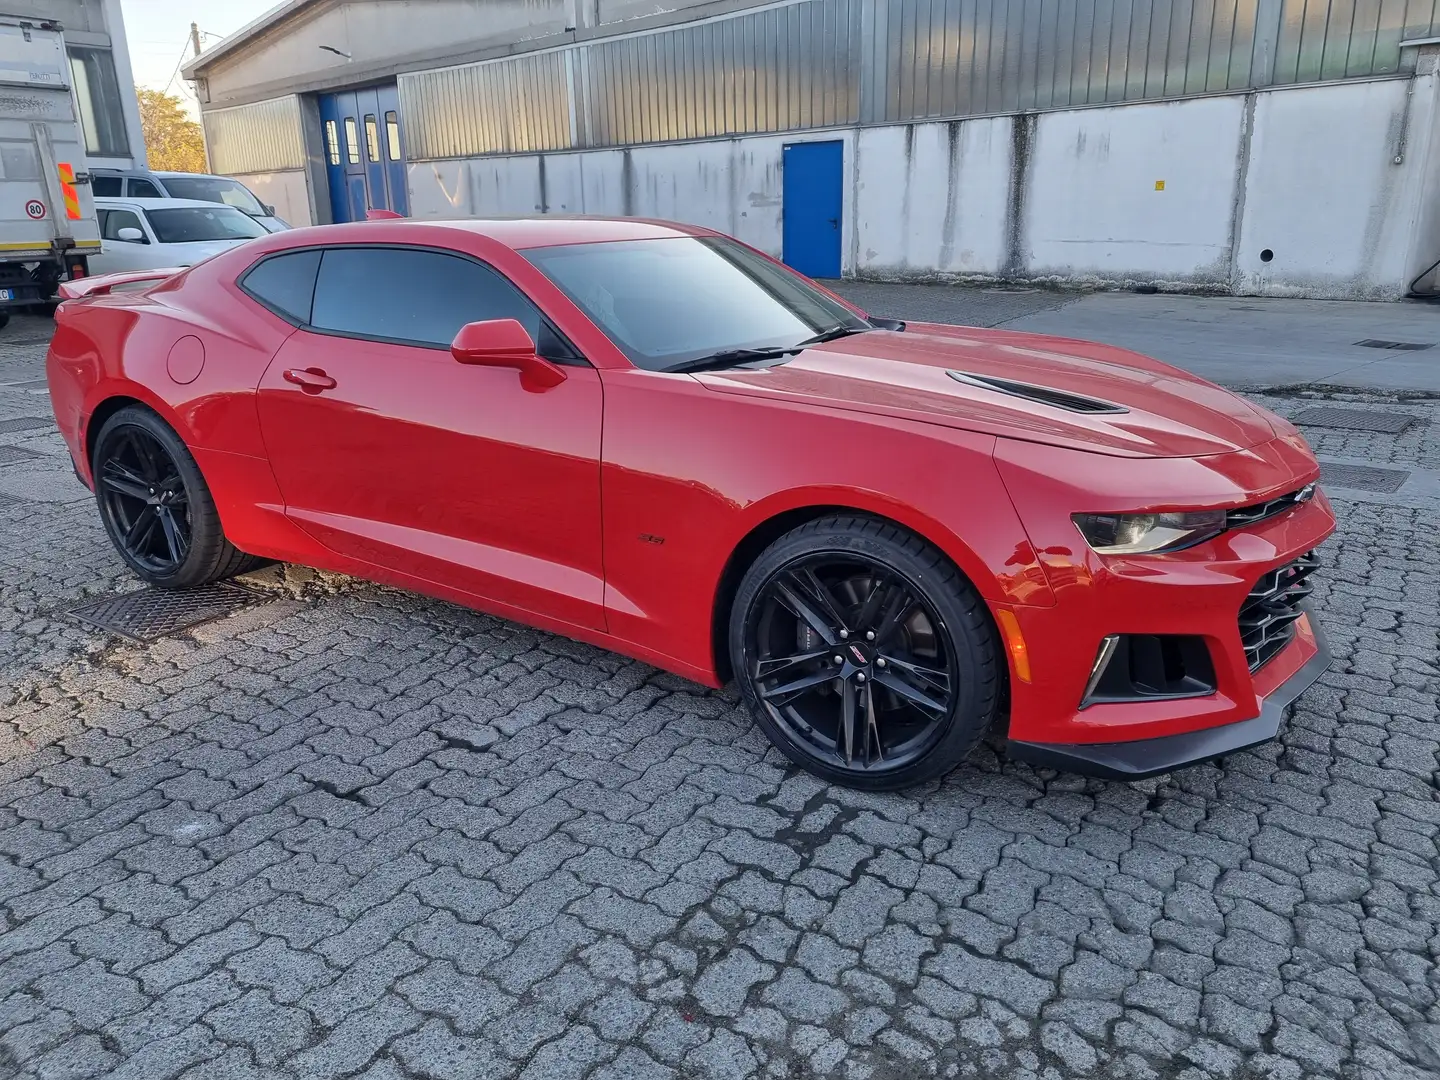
<point x="864" y="654"/>
<point x="156" y="506"/>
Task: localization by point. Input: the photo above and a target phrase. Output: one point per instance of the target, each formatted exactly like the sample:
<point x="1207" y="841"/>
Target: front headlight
<point x="1131" y="534"/>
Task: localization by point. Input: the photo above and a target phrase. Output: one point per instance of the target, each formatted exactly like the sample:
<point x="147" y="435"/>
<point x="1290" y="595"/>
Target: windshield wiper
<point x="838" y="331"/>
<point x="731" y="357"/>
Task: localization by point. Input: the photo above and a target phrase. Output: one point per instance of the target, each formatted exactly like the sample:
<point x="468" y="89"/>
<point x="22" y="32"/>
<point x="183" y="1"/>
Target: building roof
<point x="279" y="13"/>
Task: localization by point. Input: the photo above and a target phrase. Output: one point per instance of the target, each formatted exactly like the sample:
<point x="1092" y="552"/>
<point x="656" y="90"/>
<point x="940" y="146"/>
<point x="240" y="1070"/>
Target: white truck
<point x="47" y="217"/>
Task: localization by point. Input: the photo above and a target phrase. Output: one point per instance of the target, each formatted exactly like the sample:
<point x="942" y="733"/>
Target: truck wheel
<point x="4" y="319"/>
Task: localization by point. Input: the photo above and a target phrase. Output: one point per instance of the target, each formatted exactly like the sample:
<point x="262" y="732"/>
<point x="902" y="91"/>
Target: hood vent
<point x="1044" y="395"/>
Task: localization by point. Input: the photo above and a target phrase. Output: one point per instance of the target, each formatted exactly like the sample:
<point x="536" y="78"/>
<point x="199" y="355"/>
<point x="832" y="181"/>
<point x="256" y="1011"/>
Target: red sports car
<point x="651" y="437"/>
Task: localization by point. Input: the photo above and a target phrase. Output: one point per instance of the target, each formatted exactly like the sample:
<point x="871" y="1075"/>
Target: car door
<point x="116" y="254"/>
<point x="388" y="450"/>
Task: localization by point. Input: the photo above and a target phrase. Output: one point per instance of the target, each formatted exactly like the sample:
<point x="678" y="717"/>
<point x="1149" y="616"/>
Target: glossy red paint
<point x="613" y="504"/>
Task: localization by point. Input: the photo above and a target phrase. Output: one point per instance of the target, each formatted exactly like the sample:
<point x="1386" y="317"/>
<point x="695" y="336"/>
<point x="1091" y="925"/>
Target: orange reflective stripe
<point x="67" y="188"/>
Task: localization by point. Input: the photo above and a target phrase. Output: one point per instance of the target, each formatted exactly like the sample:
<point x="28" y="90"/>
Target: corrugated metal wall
<point x="263" y="137"/>
<point x="820" y="63"/>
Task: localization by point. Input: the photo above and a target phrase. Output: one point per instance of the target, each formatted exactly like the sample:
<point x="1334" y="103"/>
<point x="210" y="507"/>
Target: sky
<point x="159" y="34"/>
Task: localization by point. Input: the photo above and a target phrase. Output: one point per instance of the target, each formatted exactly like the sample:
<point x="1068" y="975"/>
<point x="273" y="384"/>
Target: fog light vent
<point x="1149" y="667"/>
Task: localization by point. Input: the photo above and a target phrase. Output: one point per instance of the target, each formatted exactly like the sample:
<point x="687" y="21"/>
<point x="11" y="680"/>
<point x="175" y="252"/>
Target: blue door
<point x="813" y="201"/>
<point x="365" y="160"/>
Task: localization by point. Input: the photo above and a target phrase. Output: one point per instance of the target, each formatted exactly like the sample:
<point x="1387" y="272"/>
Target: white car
<point x="144" y="184"/>
<point x="146" y="234"/>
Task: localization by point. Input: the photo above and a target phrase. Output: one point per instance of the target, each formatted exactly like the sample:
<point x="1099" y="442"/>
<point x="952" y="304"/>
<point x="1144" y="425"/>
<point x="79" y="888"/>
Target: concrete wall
<point x="287" y="191"/>
<point x="1181" y="195"/>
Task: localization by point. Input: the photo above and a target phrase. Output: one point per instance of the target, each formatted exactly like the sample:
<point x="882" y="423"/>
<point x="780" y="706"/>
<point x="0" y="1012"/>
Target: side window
<point x="144" y="189"/>
<point x="332" y="141"/>
<point x="285" y="284"/>
<point x="115" y="220"/>
<point x="372" y="137"/>
<point x="101" y="216"/>
<point x="105" y="187"/>
<point x="352" y="141"/>
<point x="419" y="296"/>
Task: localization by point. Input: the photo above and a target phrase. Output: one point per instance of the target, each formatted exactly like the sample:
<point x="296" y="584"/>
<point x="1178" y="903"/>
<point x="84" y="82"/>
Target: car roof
<point x="118" y="202"/>
<point x="514" y="232"/>
<point x="163" y="173"/>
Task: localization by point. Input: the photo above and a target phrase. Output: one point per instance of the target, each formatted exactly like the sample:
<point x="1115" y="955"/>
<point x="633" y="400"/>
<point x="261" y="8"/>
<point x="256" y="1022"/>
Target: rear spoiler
<point x="104" y="284"/>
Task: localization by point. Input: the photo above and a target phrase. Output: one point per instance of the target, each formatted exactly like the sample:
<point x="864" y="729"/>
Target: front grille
<point x="1242" y="516"/>
<point x="1267" y="618"/>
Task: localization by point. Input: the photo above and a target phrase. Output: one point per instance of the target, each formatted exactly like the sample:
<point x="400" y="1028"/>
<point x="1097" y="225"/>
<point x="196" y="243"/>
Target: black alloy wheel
<point x="864" y="654"/>
<point x="155" y="505"/>
<point x="143" y="498"/>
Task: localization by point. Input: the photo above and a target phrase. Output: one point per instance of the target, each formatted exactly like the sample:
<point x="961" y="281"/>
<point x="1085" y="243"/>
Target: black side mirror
<point x="898" y="325"/>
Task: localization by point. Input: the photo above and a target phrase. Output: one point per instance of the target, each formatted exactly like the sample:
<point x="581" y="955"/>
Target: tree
<point x="172" y="140"/>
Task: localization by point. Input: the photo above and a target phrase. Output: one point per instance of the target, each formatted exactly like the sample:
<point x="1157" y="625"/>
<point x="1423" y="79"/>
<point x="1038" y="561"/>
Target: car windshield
<point x="668" y="302"/>
<point x="187" y="224"/>
<point x="216" y="189"/>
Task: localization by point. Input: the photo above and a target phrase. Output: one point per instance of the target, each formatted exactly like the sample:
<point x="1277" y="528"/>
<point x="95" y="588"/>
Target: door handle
<point x="311" y="380"/>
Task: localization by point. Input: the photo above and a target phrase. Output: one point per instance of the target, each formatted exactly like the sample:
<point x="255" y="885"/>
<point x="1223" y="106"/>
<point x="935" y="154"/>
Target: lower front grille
<point x="1268" y="615"/>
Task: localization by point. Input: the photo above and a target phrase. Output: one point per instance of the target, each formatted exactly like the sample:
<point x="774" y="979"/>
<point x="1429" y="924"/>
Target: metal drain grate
<point x="24" y="423"/>
<point x="1363" y="477"/>
<point x="13" y="455"/>
<point x="1407" y="346"/>
<point x="155" y="613"/>
<point x="1389" y="423"/>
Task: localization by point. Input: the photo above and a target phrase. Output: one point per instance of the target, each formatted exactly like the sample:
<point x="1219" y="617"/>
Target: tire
<point x="864" y="655"/>
<point x="4" y="319"/>
<point x="141" y="466"/>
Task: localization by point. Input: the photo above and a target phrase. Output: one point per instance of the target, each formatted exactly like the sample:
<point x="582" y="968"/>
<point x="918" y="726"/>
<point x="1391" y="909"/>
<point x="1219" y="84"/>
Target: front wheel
<point x="864" y="654"/>
<point x="156" y="506"/>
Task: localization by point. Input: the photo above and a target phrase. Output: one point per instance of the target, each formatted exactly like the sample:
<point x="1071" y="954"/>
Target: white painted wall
<point x="932" y="198"/>
<point x="1307" y="172"/>
<point x="286" y="191"/>
<point x="1324" y="194"/>
<point x="1094" y="208"/>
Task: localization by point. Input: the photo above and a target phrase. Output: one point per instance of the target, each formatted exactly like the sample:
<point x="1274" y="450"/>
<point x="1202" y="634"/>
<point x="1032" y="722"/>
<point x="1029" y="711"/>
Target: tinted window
<point x="285" y="283"/>
<point x="668" y="301"/>
<point x="420" y="296"/>
<point x="98" y="93"/>
<point x="216" y="189"/>
<point x="189" y="224"/>
<point x="105" y="187"/>
<point x="115" y="220"/>
<point x="144" y="189"/>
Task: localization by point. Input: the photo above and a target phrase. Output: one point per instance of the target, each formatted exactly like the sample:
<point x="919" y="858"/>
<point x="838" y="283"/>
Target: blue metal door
<point x="813" y="193"/>
<point x="365" y="161"/>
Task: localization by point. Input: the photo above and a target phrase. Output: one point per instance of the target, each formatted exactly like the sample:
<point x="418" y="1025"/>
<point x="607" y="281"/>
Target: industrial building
<point x="1270" y="147"/>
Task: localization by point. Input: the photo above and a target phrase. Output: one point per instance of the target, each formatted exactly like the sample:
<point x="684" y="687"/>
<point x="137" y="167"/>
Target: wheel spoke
<point x="934" y="678"/>
<point x="910" y="693"/>
<point x="782" y="694"/>
<point x="896" y="606"/>
<point x="846" y="741"/>
<point x="139" y="532"/>
<point x="872" y="727"/>
<point x="118" y="478"/>
<point x="144" y="458"/>
<point x="880" y="588"/>
<point x="174" y="537"/>
<point x="776" y="666"/>
<point x="792" y="597"/>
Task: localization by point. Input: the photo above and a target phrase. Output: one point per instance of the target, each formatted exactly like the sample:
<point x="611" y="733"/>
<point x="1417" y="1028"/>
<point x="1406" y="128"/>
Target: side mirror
<point x="505" y="343"/>
<point x="131" y="235"/>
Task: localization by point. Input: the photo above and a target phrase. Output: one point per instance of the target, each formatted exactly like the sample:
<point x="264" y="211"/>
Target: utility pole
<point x="195" y="37"/>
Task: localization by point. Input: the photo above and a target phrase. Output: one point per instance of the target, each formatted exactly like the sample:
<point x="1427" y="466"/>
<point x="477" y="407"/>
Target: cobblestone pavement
<point x="352" y="831"/>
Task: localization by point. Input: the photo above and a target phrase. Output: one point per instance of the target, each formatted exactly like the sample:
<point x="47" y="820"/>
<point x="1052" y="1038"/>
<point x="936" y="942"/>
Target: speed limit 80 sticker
<point x="35" y="209"/>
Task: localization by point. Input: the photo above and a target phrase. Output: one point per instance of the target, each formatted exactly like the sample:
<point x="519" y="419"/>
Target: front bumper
<point x="1140" y="758"/>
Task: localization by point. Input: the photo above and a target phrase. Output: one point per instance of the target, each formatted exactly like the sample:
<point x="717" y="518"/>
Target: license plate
<point x="7" y="294"/>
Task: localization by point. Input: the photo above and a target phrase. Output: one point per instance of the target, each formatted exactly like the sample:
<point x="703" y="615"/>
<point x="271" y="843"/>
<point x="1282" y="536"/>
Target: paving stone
<point x="358" y="832"/>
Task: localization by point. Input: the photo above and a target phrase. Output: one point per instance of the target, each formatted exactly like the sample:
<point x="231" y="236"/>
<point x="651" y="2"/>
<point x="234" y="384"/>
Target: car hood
<point x="1167" y="412"/>
<point x="197" y="250"/>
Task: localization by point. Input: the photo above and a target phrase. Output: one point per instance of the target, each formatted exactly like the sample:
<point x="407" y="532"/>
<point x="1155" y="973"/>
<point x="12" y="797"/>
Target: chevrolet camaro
<point x="893" y="538"/>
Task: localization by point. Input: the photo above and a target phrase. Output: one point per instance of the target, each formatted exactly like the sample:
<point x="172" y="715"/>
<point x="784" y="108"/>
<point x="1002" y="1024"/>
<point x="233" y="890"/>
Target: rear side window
<point x="144" y="189"/>
<point x="405" y="295"/>
<point x="285" y="284"/>
<point x="106" y="187"/>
